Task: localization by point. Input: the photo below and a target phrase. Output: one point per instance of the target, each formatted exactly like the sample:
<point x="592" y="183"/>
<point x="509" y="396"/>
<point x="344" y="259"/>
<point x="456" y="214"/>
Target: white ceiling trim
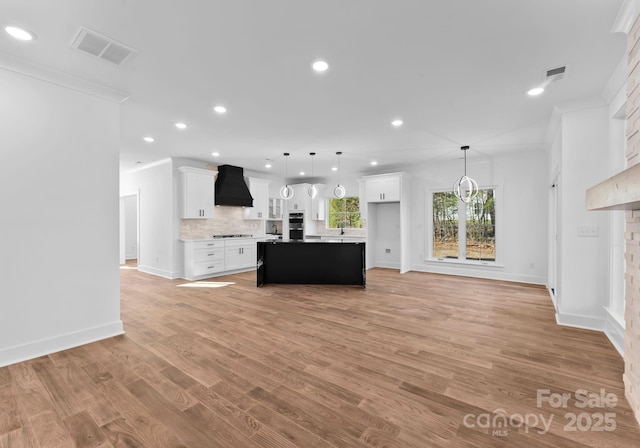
<point x="627" y="16"/>
<point x="47" y="74"/>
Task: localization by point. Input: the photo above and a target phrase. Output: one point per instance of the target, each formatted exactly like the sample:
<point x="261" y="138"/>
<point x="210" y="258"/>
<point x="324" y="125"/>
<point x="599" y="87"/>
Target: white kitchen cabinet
<point x="300" y="200"/>
<point x="318" y="204"/>
<point x="197" y="193"/>
<point x="203" y="259"/>
<point x="259" y="189"/>
<point x="275" y="208"/>
<point x="239" y="254"/>
<point x="383" y="188"/>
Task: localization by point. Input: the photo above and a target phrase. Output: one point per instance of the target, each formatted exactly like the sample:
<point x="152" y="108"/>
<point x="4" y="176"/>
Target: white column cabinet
<point x="259" y="189"/>
<point x="197" y="193"/>
<point x="300" y="200"/>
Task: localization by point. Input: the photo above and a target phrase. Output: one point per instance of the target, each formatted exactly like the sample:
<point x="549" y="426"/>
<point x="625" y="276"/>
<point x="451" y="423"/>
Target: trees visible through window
<point x="474" y="237"/>
<point x="344" y="213"/>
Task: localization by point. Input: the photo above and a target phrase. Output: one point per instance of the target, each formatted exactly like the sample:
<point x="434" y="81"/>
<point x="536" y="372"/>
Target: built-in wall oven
<point x="296" y="226"/>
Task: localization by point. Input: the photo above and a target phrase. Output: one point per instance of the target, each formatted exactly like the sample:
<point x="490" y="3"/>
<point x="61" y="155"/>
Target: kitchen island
<point x="311" y="262"/>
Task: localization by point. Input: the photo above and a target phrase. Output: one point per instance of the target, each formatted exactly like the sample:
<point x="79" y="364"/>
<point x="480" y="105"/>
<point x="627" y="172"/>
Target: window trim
<point x="497" y="189"/>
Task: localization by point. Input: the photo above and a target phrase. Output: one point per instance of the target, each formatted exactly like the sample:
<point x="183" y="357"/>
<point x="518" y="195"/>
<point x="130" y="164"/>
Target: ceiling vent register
<point x="556" y="74"/>
<point x="102" y="47"/>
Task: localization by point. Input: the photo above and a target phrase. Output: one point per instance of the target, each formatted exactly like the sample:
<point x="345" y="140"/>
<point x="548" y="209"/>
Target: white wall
<point x="387" y="218"/>
<point x="131" y="227"/>
<point x="59" y="231"/>
<point x="158" y="223"/>
<point x="521" y="214"/>
<point x="583" y="279"/>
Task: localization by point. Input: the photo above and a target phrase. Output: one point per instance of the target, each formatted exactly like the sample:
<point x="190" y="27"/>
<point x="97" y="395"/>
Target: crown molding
<point x="627" y="16"/>
<point x="18" y="65"/>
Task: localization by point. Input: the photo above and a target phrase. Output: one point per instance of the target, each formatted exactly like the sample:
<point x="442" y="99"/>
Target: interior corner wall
<point x="584" y="260"/>
<point x="59" y="236"/>
<point x="157" y="219"/>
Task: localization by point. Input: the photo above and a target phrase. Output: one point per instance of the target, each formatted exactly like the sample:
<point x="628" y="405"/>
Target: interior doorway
<point x="129" y="228"/>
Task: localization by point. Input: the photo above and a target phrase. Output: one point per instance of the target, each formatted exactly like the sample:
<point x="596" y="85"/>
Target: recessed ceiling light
<point x="149" y="139"/>
<point x="137" y="163"/>
<point x="535" y="91"/>
<point x="215" y="154"/>
<point x="302" y="173"/>
<point x="397" y="123"/>
<point x="334" y="168"/>
<point x="18" y="33"/>
<point x="181" y="126"/>
<point x="267" y="165"/>
<point x="220" y="109"/>
<point x="374" y="163"/>
<point x="320" y="66"/>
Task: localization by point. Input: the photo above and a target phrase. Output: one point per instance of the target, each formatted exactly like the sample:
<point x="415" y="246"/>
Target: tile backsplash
<point x="225" y="221"/>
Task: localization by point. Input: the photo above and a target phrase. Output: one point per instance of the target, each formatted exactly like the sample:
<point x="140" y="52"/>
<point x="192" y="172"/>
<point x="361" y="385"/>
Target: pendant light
<point x="286" y="192"/>
<point x="339" y="191"/>
<point x="312" y="191"/>
<point x="465" y="188"/>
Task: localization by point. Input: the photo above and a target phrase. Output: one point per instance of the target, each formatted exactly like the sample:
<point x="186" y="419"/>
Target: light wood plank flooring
<point x="414" y="360"/>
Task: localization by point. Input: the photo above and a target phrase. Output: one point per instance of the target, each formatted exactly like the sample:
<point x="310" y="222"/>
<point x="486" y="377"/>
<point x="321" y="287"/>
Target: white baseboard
<point x="44" y="347"/>
<point x="580" y="321"/>
<point x="554" y="298"/>
<point x="614" y="329"/>
<point x="479" y="272"/>
<point x="387" y="265"/>
<point x="159" y="272"/>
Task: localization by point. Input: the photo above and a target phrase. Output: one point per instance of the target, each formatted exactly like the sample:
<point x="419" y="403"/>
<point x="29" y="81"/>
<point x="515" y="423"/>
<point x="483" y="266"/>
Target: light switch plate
<point x="588" y="231"/>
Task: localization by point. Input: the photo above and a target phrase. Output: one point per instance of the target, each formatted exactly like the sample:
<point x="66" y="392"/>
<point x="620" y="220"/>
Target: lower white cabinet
<point x="208" y="258"/>
<point x="203" y="259"/>
<point x="239" y="254"/>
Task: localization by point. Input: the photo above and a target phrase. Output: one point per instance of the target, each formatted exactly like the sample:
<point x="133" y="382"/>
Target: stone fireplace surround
<point x="622" y="192"/>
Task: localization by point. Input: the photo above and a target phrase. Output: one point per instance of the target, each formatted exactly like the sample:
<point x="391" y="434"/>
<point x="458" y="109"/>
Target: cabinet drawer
<point x="208" y="245"/>
<point x="208" y="254"/>
<point x="208" y="267"/>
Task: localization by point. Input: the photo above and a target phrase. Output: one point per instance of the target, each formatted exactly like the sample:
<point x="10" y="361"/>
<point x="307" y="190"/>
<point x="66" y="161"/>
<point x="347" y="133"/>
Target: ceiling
<point x="456" y="72"/>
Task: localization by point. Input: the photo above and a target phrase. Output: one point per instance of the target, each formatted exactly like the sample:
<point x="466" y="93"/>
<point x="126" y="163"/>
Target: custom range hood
<point x="231" y="189"/>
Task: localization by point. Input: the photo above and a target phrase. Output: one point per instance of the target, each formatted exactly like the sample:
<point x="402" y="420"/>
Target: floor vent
<point x="102" y="47"/>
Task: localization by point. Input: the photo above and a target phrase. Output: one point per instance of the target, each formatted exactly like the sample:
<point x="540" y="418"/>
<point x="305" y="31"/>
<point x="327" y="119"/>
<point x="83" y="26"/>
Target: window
<point x="472" y="238"/>
<point x="344" y="213"/>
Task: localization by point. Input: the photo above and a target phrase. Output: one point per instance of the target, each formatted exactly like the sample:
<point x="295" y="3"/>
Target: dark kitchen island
<point x="311" y="262"/>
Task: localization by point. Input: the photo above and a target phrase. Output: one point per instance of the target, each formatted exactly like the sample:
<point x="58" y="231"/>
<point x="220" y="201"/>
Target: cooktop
<point x="237" y="235"/>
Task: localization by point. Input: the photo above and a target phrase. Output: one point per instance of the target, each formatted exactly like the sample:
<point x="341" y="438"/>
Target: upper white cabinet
<point x="383" y="188"/>
<point x="300" y="200"/>
<point x="318" y="204"/>
<point x="197" y="193"/>
<point x="259" y="189"/>
<point x="275" y="208"/>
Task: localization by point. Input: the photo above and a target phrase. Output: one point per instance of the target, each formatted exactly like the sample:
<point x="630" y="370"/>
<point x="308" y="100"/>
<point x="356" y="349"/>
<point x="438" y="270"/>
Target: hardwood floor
<point x="414" y="360"/>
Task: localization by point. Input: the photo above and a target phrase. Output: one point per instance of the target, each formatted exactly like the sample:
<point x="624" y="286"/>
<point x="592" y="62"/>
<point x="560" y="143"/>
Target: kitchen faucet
<point x="274" y="229"/>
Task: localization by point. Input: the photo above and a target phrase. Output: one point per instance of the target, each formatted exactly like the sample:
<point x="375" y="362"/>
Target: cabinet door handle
<point x="210" y="267"/>
<point x="211" y="254"/>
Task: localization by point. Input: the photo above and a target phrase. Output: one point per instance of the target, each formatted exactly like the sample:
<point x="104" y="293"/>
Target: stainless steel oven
<point x="296" y="226"/>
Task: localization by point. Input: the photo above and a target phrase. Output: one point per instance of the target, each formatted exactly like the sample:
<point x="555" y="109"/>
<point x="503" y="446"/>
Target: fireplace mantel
<point x="619" y="192"/>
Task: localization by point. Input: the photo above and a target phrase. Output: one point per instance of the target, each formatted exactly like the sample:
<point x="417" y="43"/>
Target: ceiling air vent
<point x="556" y="74"/>
<point x="102" y="47"/>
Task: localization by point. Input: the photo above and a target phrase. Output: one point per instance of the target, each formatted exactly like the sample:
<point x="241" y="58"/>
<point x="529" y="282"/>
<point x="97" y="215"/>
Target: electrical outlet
<point x="388" y="251"/>
<point x="532" y="265"/>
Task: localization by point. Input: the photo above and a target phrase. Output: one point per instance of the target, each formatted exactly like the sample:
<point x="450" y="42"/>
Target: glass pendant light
<point x="465" y="188"/>
<point x="339" y="191"/>
<point x="286" y="192"/>
<point x="312" y="191"/>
